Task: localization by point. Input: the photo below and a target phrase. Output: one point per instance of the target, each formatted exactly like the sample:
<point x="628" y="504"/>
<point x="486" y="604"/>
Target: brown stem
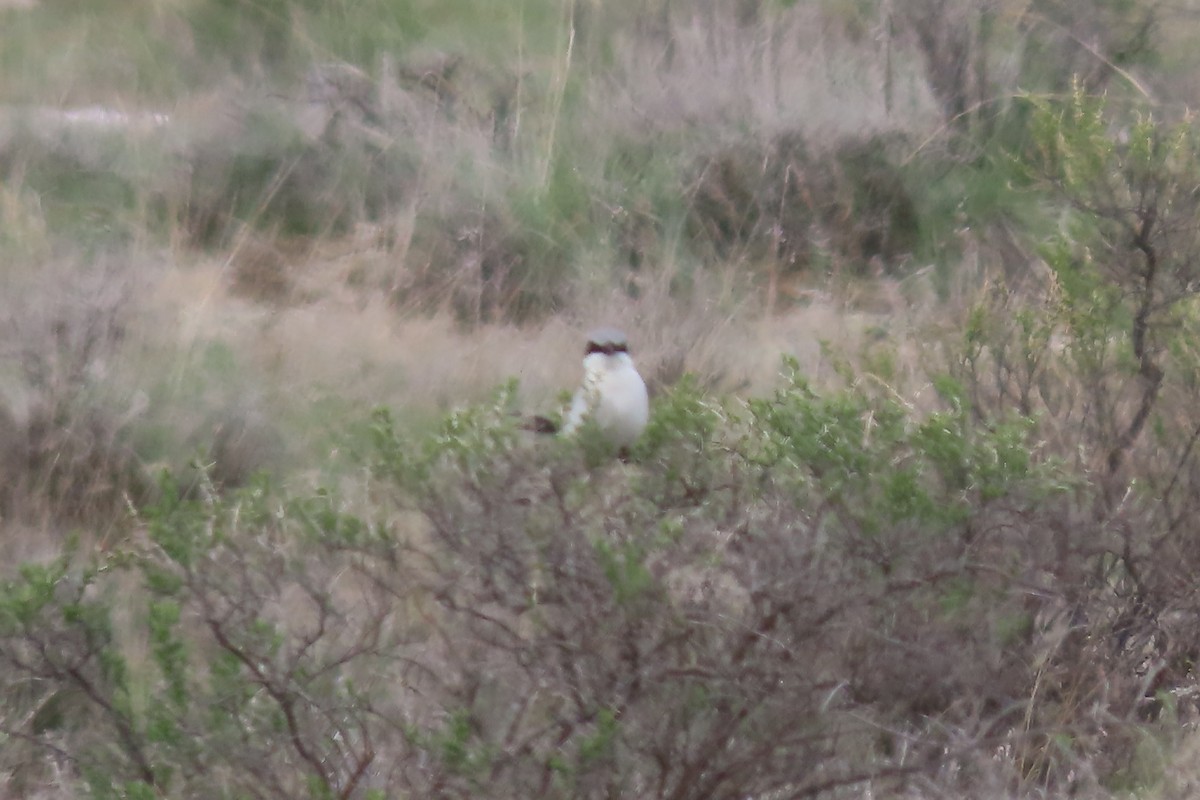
<point x="1149" y="371"/>
<point x="284" y="700"/>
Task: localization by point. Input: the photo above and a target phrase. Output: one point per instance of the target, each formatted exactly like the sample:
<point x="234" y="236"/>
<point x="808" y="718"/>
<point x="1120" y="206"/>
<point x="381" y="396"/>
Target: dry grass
<point x="790" y="71"/>
<point x="254" y="353"/>
<point x="62" y="415"/>
<point x="362" y="350"/>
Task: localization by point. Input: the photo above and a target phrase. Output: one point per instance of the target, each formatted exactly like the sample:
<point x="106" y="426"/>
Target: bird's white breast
<point x="614" y="396"/>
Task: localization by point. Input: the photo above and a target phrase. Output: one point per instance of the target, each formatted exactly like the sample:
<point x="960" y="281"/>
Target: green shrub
<point x="270" y="176"/>
<point x="746" y="606"/>
<point x="803" y="206"/>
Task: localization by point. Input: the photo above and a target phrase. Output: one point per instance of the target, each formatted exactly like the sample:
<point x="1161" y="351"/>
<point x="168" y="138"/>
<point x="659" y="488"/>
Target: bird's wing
<point x="581" y="404"/>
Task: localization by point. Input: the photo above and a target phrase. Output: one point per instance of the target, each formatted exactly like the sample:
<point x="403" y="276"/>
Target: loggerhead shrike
<point x="613" y="394"/>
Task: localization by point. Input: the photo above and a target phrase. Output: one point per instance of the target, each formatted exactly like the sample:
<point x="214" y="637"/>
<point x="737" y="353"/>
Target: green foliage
<point x="88" y="186"/>
<point x="1126" y="257"/>
<point x="179" y="526"/>
<point x="625" y="569"/>
<point x="599" y="746"/>
<point x="880" y="468"/>
<point x="249" y="33"/>
<point x="487" y="430"/>
<point x="684" y="421"/>
<point x="273" y="176"/>
<point x="1128" y="191"/>
<point x="791" y="205"/>
<point x="517" y="617"/>
<point x="457" y="747"/>
<point x="170" y="652"/>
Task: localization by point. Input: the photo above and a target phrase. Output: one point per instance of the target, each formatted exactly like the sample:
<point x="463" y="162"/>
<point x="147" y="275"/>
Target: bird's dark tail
<point x="540" y="424"/>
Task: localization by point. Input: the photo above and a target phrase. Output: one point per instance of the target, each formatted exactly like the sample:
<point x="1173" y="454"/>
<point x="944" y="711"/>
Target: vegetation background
<point x="914" y="286"/>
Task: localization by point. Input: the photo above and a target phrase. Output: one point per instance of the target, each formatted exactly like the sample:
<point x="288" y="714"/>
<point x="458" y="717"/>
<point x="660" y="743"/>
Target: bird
<point x="613" y="395"/>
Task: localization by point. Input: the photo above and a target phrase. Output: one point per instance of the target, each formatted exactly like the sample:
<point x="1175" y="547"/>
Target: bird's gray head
<point x="607" y="341"/>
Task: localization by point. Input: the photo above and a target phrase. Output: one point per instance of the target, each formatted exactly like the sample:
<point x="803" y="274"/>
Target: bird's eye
<point x="608" y="348"/>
